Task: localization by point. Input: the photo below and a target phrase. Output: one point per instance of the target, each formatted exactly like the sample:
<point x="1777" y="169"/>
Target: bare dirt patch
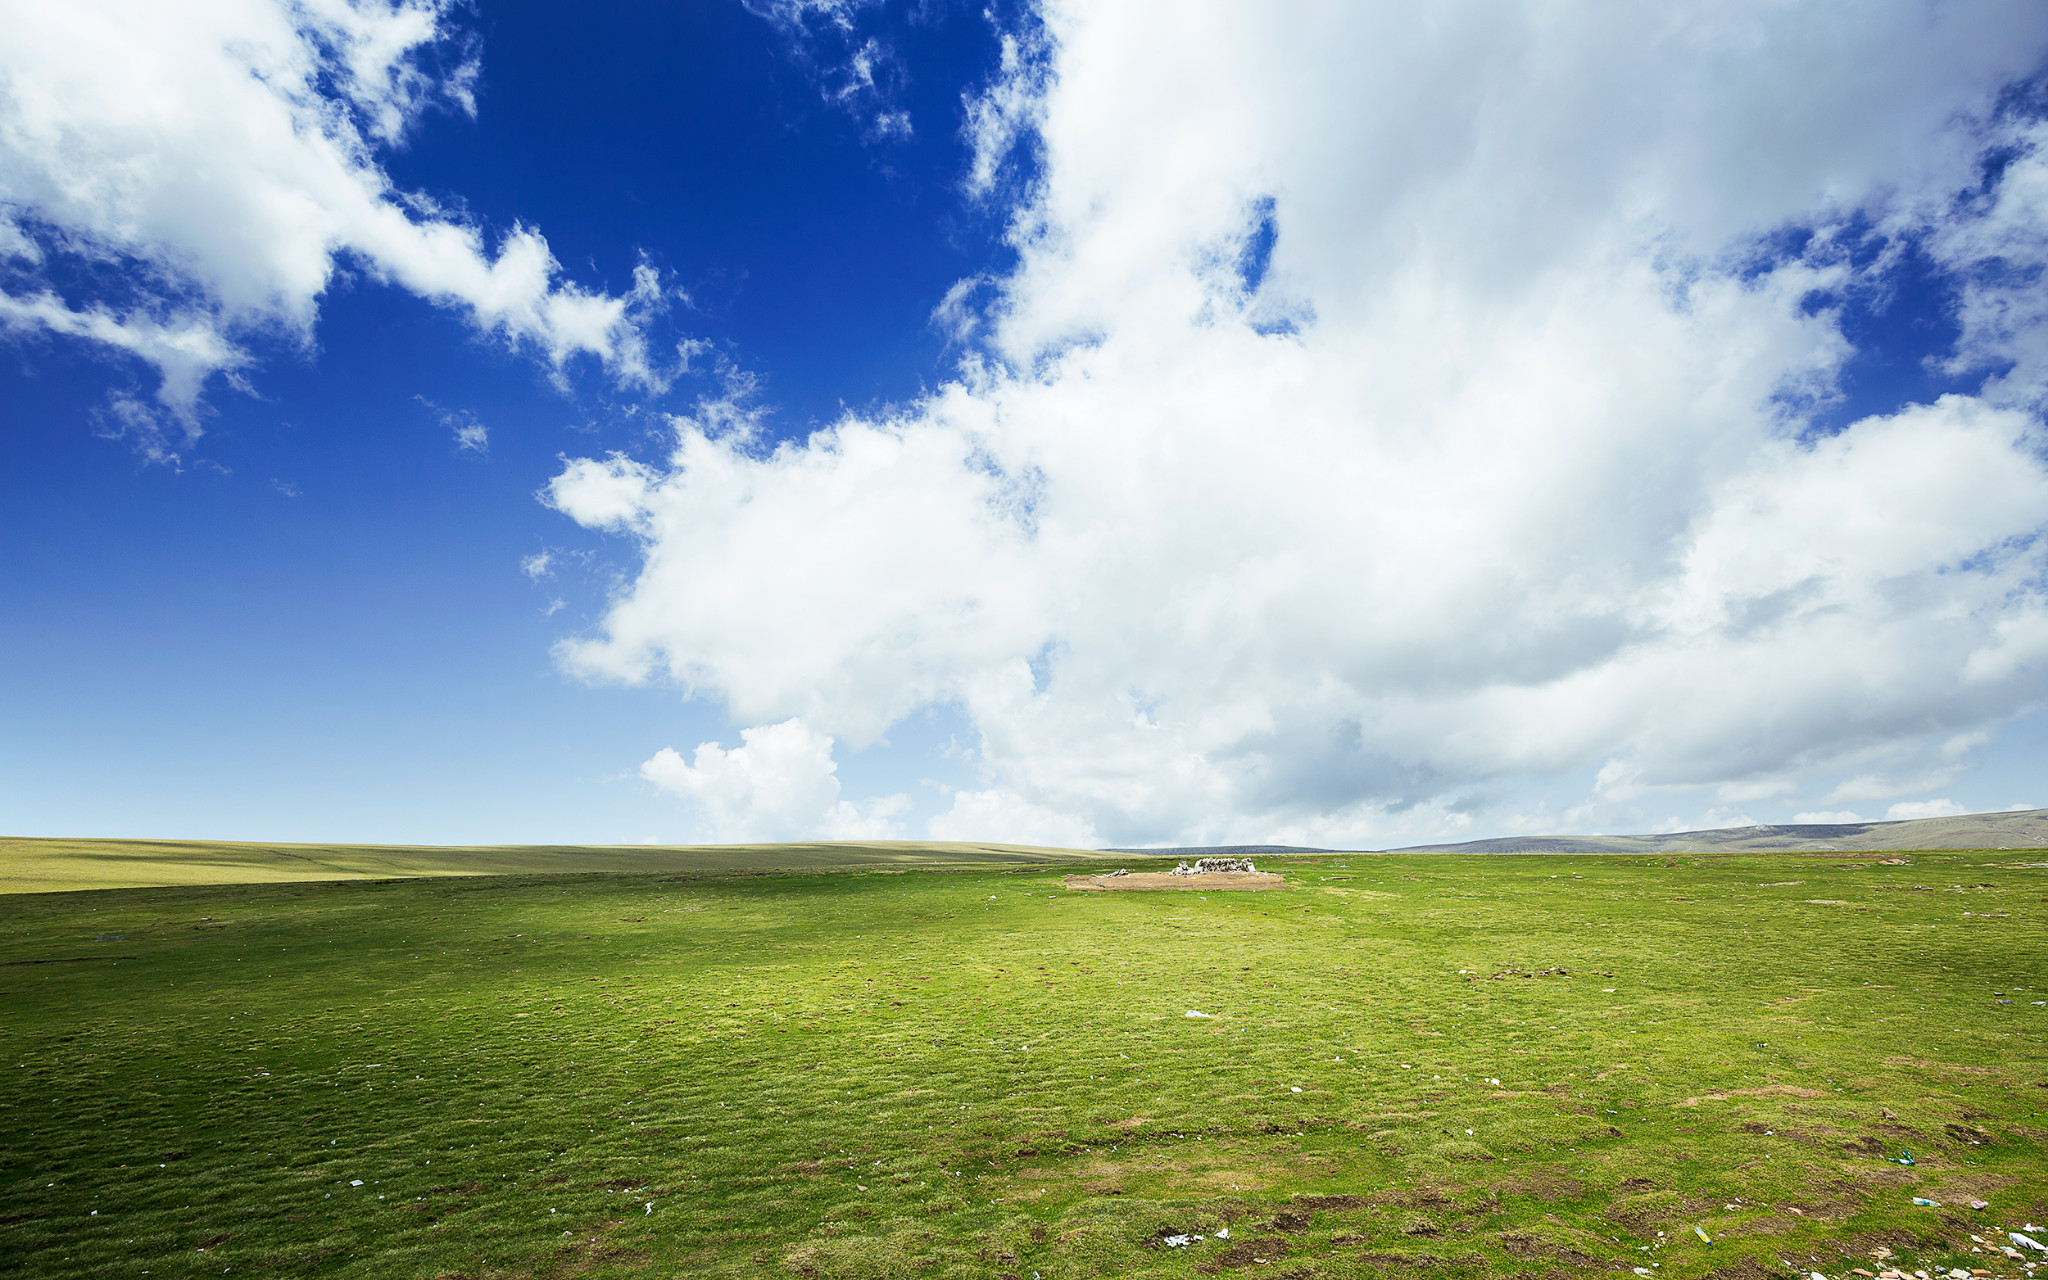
<point x="1250" y="1253"/>
<point x="1723" y="1095"/>
<point x="1208" y="880"/>
<point x="1549" y="1187"/>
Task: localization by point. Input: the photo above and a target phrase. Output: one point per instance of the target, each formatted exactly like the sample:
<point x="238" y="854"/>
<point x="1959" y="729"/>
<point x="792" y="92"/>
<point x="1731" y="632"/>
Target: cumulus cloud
<point x="201" y="172"/>
<point x="1906" y="810"/>
<point x="780" y="783"/>
<point x="1390" y="412"/>
<point x="1874" y="786"/>
<point x="1000" y="817"/>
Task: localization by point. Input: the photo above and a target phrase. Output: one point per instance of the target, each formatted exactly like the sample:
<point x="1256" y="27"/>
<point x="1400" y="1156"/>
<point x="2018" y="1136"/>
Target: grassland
<point x="46" y="866"/>
<point x="1411" y="1065"/>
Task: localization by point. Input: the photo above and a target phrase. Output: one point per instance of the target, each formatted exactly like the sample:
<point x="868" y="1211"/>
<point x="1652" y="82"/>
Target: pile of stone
<point x="1203" y="866"/>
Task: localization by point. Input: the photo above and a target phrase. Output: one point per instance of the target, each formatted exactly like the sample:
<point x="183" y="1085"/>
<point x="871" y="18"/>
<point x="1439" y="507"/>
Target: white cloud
<point x="1906" y="810"/>
<point x="778" y="784"/>
<point x="2002" y="253"/>
<point x="1750" y="789"/>
<point x="1495" y="477"/>
<point x="541" y="564"/>
<point x="853" y="68"/>
<point x="469" y="433"/>
<point x="1873" y="786"/>
<point x="999" y="817"/>
<point x="1720" y="818"/>
<point x="1827" y="817"/>
<point x="1009" y="111"/>
<point x="220" y="160"/>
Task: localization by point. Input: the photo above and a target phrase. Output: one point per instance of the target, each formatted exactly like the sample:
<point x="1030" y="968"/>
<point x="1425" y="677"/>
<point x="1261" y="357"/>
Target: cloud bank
<point x="178" y="179"/>
<point x="1394" y="412"/>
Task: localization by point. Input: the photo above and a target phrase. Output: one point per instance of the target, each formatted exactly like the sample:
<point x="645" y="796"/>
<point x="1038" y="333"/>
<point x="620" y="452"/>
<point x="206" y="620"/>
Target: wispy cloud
<point x="854" y="65"/>
<point x="469" y="433"/>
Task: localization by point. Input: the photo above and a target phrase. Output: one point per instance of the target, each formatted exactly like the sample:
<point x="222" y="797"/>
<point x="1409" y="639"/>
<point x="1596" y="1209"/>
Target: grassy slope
<point x="44" y="865"/>
<point x="974" y="1073"/>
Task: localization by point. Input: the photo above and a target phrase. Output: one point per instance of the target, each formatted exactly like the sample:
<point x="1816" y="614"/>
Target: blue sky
<point x="1096" y="424"/>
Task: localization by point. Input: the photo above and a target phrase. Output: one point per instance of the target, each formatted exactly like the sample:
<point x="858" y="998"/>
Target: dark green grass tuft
<point x="976" y="1073"/>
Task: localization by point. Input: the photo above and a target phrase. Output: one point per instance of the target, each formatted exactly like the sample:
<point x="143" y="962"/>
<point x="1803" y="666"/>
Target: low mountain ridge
<point x="2027" y="829"/>
<point x="2024" y="829"/>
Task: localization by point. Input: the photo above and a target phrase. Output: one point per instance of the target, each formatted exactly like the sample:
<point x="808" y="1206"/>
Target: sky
<point x="1097" y="424"/>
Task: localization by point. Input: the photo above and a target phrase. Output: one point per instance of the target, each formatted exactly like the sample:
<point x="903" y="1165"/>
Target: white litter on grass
<point x="1192" y="1014"/>
<point x="1223" y="1233"/>
<point x="1179" y="1242"/>
<point x="650" y="1208"/>
<point x="2027" y="1241"/>
<point x="355" y="1182"/>
<point x="1297" y="1088"/>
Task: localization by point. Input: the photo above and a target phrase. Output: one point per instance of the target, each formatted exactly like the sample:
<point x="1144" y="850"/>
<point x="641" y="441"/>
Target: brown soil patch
<point x="1723" y="1095"/>
<point x="1403" y="1261"/>
<point x="1218" y="880"/>
<point x="1251" y="1253"/>
<point x="1419" y="1198"/>
<point x="1318" y="1203"/>
<point x="1551" y="1187"/>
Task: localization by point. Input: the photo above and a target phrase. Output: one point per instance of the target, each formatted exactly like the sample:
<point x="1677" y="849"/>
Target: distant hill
<point x="46" y="865"/>
<point x="2024" y="830"/>
<point x="1226" y="851"/>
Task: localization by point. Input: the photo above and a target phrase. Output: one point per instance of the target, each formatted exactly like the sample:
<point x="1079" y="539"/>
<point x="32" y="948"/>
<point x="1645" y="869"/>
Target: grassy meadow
<point x="1422" y="1065"/>
<point x="48" y="866"/>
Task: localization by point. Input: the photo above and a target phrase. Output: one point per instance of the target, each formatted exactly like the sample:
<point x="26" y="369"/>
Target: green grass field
<point x="933" y="1073"/>
<point x="45" y="866"/>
